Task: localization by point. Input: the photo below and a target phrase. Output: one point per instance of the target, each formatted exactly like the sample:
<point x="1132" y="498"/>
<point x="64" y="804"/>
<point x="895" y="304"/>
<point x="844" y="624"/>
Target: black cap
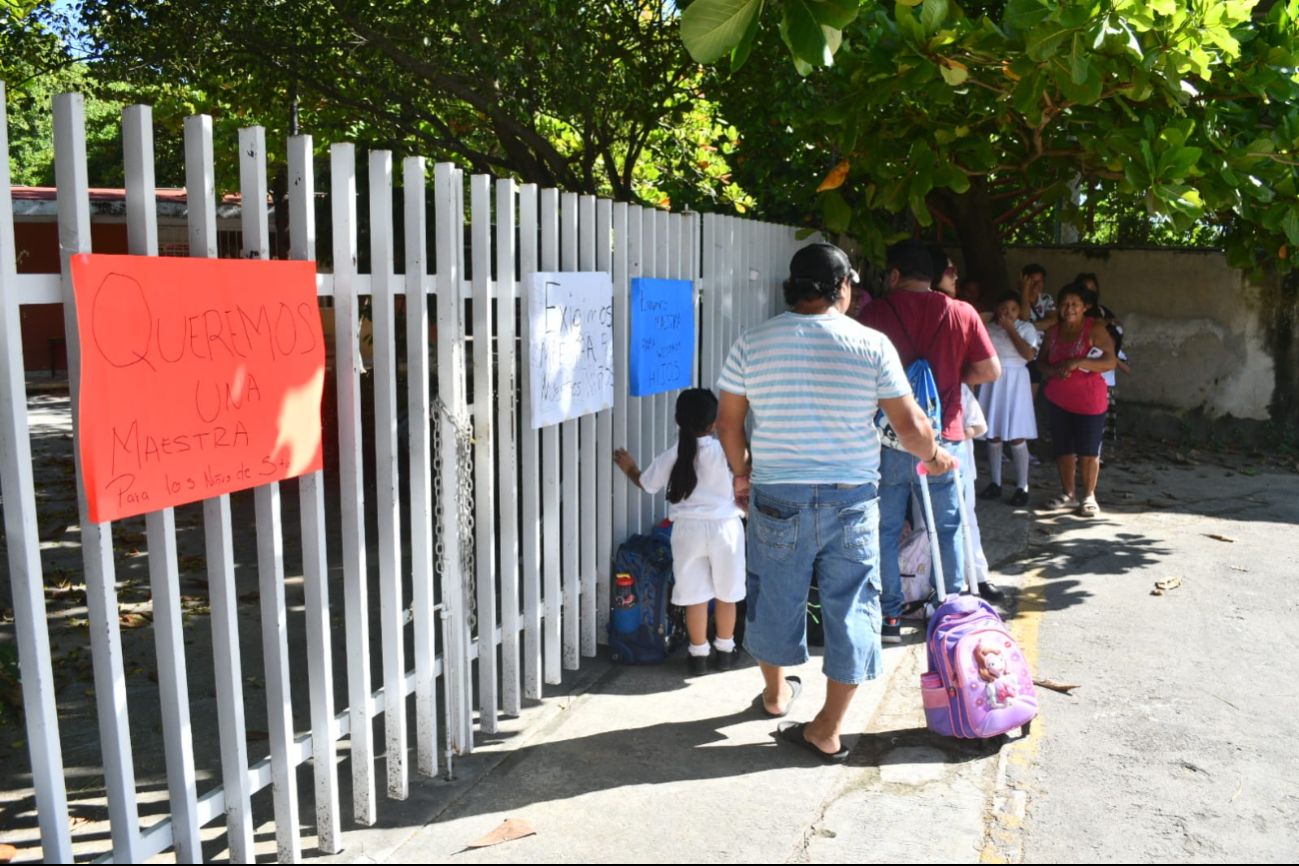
<point x="824" y="263"/>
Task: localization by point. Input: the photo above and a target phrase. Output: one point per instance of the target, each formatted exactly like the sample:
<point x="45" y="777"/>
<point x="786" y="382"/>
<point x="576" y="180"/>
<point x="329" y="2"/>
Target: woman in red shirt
<point x="1075" y="352"/>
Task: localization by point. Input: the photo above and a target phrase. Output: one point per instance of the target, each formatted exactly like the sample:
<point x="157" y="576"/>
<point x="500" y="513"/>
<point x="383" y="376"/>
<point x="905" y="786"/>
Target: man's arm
<point x="916" y="433"/>
<point x="987" y="370"/>
<point x="732" y="409"/>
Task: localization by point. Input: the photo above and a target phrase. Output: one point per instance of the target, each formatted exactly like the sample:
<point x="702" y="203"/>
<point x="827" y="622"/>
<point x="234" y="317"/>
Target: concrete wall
<point x="1197" y="331"/>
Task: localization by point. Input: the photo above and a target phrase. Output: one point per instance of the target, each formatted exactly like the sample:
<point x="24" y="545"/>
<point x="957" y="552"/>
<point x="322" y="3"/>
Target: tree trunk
<point x="974" y="214"/>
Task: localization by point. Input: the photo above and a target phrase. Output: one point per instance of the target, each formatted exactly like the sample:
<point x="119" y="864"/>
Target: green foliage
<point x="1188" y="109"/>
<point x="605" y="104"/>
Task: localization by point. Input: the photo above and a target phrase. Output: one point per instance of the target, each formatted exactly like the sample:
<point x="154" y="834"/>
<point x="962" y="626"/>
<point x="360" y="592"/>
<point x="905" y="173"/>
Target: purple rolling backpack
<point x="978" y="684"/>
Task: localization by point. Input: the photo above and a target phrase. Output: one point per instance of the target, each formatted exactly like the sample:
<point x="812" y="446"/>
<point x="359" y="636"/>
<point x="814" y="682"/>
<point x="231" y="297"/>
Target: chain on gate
<point x="464" y="503"/>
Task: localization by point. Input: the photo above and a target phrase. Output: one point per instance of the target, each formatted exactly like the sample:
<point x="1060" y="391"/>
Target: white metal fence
<point x="502" y="517"/>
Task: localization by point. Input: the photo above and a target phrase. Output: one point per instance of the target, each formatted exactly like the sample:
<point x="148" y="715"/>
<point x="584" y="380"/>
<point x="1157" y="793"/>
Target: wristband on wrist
<point x="935" y="457"/>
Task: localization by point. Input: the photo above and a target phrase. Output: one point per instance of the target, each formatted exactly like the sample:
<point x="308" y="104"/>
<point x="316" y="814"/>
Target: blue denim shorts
<point x="832" y="531"/>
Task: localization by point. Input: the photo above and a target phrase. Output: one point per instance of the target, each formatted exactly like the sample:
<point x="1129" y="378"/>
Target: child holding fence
<point x="707" y="533"/>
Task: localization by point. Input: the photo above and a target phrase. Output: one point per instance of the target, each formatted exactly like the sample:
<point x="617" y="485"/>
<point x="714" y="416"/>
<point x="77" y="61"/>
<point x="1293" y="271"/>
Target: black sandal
<point x="792" y="732"/>
<point x="795" y="687"/>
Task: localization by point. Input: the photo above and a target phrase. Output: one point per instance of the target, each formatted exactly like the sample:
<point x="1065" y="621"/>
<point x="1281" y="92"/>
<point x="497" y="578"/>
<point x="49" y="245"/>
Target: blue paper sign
<point x="662" y="336"/>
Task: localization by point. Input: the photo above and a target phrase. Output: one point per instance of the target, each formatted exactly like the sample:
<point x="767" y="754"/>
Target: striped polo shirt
<point x="814" y="384"/>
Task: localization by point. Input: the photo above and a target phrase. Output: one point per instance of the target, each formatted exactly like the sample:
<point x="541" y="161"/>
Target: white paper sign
<point x="570" y="349"/>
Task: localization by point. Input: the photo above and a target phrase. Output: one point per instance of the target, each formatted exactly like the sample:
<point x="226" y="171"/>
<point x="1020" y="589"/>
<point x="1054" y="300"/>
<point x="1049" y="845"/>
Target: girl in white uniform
<point x="707" y="533"/>
<point x="1008" y="402"/>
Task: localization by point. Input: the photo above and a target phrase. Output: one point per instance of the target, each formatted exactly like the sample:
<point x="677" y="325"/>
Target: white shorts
<point x="708" y="560"/>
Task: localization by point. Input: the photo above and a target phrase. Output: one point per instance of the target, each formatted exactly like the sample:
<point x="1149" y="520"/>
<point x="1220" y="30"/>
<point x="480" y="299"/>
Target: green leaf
<point x="910" y="2"/>
<point x="1290" y="225"/>
<point x="836" y="212"/>
<point x="1174" y="163"/>
<point x="954" y="75"/>
<point x="803" y="34"/>
<point x="804" y="234"/>
<point x="1224" y="40"/>
<point x="1086" y="93"/>
<point x="740" y="53"/>
<point x="1148" y="154"/>
<point x="1027" y="99"/>
<point x="1080" y="64"/>
<point x="711" y="28"/>
<point x="835" y="13"/>
<point x="1163" y="7"/>
<point x="908" y="24"/>
<point x="933" y="15"/>
<point x="1044" y="41"/>
<point x="1024" y="14"/>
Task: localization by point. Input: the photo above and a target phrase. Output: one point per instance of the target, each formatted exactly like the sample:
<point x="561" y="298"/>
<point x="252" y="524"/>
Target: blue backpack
<point x="923" y="387"/>
<point x="648" y="559"/>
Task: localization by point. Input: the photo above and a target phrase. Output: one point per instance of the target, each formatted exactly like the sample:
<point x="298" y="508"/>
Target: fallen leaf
<point x="249" y="597"/>
<point x="1239" y="568"/>
<point x="513" y="828"/>
<point x="257" y="735"/>
<point x="1054" y="686"/>
<point x="133" y="620"/>
<point x="76" y="821"/>
<point x="1226" y="538"/>
<point x="1165" y="586"/>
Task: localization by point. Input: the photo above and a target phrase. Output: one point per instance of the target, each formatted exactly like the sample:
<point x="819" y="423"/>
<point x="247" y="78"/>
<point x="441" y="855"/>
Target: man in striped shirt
<point x="814" y="379"/>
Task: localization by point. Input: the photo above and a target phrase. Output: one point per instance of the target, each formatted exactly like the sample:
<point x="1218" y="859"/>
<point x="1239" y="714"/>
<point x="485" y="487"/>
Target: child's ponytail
<point x="696" y="412"/>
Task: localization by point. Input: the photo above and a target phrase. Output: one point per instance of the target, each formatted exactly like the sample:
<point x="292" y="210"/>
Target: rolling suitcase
<point x="978" y="684"/>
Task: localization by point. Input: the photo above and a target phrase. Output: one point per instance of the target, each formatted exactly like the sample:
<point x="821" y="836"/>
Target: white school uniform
<point x="1008" y="402"/>
<point x="707" y="534"/>
<point x="974" y="419"/>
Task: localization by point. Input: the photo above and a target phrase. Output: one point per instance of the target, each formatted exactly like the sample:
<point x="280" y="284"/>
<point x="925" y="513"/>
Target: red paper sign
<point x="198" y="377"/>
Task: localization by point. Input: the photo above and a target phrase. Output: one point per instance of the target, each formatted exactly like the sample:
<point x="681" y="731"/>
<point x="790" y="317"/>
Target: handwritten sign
<point x="198" y="377"/>
<point x="570" y="345"/>
<point x="662" y="336"/>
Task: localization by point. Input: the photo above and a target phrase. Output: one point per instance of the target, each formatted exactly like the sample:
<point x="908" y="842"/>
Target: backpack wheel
<point x="1025" y="728"/>
<point x="615" y="657"/>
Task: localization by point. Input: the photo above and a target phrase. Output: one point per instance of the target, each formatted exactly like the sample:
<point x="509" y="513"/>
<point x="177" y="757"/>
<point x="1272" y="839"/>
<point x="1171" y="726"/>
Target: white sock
<point x="994" y="462"/>
<point x="724" y="646"/>
<point x="1019" y="454"/>
<point x="700" y="649"/>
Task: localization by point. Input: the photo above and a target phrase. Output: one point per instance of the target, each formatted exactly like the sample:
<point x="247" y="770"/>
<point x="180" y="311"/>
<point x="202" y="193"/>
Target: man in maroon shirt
<point x="949" y="335"/>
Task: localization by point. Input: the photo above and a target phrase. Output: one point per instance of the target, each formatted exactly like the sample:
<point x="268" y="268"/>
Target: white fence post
<point x="570" y="497"/>
<point x="638" y="516"/>
<point x="590" y="507"/>
<point x="480" y="191"/>
<point x="200" y="179"/>
<point x="160" y="528"/>
<point x="529" y="461"/>
<point x="387" y="492"/>
<point x="451" y="401"/>
<point x="604" y="495"/>
<point x="18" y="487"/>
<point x="270" y="545"/>
<point x="315" y="561"/>
<point x="507" y="442"/>
<point x="347" y="355"/>
<point x="421" y="465"/>
<point x="96" y="538"/>
<point x="549" y="468"/>
<point x="622" y="488"/>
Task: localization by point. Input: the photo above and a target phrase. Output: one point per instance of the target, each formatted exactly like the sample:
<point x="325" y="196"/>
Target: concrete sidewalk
<point x="644" y="765"/>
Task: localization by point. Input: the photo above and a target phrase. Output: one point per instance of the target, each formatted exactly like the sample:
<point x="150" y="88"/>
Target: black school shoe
<point x="990" y="593"/>
<point x="726" y="661"/>
<point x="992" y="491"/>
<point x="698" y="665"/>
<point x="1020" y="499"/>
